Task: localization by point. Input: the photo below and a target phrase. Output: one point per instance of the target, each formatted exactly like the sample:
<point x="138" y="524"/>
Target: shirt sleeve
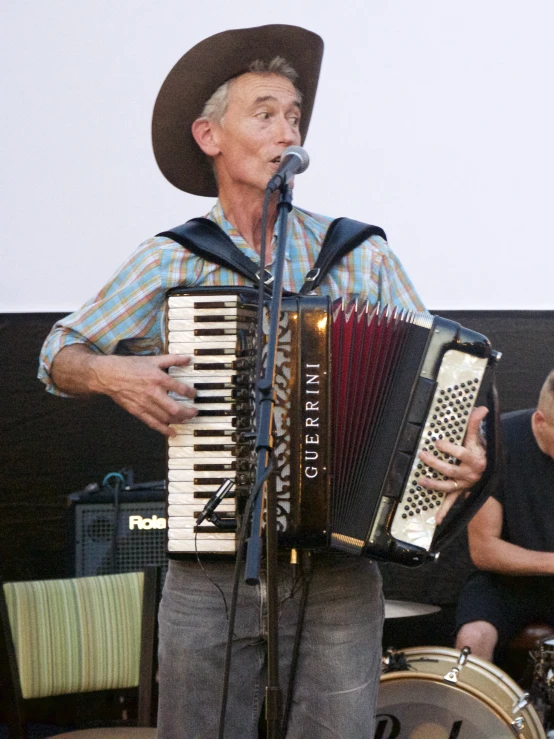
<point x="125" y="316"/>
<point x="395" y="287"/>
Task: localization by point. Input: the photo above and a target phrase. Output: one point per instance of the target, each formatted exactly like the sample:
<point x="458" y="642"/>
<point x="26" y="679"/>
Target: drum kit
<point x="442" y="693"/>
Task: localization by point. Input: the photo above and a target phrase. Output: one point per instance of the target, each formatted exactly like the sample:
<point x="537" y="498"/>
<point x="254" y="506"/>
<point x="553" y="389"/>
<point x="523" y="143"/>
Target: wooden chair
<point x="74" y="636"/>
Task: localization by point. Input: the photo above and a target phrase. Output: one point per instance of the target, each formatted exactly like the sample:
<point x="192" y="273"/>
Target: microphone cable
<point x="118" y="480"/>
<point x="234" y="597"/>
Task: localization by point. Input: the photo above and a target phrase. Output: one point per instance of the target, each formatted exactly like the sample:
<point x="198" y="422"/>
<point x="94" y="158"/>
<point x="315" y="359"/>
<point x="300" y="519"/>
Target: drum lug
<point x="518" y="725"/>
<point x="519" y="722"/>
<point x="452" y="676"/>
<point x="522" y="703"/>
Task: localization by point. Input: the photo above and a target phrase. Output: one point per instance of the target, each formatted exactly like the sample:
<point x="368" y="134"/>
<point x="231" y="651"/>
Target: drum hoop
<point x="482" y="667"/>
<point x="461" y="687"/>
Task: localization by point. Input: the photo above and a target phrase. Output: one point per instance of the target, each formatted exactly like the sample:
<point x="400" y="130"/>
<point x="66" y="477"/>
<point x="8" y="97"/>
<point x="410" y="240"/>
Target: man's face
<point x="543" y="431"/>
<point x="261" y="120"/>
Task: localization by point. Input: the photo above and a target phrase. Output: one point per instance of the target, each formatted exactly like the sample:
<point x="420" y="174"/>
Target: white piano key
<point x="179" y="524"/>
<point x="214" y="342"/>
<point x="212" y="534"/>
<point x="208" y="377"/>
<point x="188" y="463"/>
<point x="190" y="475"/>
<point x="182" y="534"/>
<point x="203" y="424"/>
<point x="217" y="459"/>
<point x="187" y="309"/>
<point x="183" y="313"/>
<point x="188" y="511"/>
<point x="189" y="546"/>
<point x="205" y="406"/>
<point x="189" y="497"/>
<point x="191" y="300"/>
<point x="201" y="342"/>
<point x="178" y="501"/>
<point x="221" y="359"/>
<point x="190" y="441"/>
<point x="187" y="402"/>
<point x="229" y="314"/>
<point x="223" y="392"/>
<point x="187" y="520"/>
<point x="188" y="486"/>
<point x="189" y="324"/>
<point x="189" y="452"/>
<point x="196" y="375"/>
<point x="189" y="502"/>
<point x="176" y="464"/>
<point x="200" y="421"/>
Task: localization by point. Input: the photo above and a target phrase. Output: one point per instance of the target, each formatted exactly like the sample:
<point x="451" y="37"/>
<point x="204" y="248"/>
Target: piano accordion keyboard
<point x="217" y="333"/>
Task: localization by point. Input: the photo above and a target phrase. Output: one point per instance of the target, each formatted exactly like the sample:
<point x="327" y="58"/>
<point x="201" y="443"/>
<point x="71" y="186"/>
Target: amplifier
<point x="125" y="534"/>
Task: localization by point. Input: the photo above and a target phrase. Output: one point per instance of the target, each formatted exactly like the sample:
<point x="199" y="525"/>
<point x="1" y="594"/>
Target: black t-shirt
<point x="527" y="491"/>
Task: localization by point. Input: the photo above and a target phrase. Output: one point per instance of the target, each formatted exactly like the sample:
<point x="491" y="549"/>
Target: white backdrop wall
<point x="434" y="120"/>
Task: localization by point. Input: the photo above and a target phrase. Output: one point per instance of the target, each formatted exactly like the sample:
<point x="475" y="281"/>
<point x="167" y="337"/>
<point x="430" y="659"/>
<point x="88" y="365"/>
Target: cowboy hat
<point x="199" y="73"/>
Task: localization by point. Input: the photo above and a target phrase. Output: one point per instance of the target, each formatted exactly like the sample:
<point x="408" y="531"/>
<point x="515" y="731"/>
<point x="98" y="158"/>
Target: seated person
<point x="511" y="539"/>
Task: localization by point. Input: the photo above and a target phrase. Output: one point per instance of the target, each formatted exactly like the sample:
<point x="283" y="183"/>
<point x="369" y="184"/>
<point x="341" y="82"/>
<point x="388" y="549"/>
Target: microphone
<point x="208" y="510"/>
<point x="294" y="160"/>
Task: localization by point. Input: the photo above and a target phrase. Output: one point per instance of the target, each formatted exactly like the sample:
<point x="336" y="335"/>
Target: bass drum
<point x="448" y="694"/>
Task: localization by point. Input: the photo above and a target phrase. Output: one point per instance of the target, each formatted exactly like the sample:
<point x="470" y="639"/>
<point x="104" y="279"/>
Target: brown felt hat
<point x="199" y="73"/>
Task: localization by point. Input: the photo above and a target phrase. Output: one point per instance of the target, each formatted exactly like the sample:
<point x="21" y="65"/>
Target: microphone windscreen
<point x="301" y="153"/>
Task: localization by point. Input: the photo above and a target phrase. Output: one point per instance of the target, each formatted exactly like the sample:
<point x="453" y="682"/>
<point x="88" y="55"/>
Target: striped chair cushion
<point x="76" y="635"/>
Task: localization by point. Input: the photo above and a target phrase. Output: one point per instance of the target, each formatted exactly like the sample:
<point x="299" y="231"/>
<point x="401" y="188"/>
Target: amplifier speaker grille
<point x="140" y="540"/>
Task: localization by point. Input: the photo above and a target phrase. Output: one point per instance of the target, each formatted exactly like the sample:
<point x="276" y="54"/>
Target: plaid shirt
<point x="128" y="313"/>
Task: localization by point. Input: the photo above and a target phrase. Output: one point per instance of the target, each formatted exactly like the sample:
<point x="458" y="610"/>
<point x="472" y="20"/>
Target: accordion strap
<point x="208" y="241"/>
<point x="343" y="235"/>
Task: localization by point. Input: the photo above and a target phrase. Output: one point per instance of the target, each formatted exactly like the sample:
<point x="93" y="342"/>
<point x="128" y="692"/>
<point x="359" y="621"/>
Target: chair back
<point x="76" y="635"/>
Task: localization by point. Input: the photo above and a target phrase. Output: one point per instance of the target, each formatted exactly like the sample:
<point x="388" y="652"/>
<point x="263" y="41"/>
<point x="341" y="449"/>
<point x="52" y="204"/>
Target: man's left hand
<point x="472" y="462"/>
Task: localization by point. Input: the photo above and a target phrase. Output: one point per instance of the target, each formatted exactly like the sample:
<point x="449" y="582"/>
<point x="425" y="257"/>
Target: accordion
<point x="359" y="392"/>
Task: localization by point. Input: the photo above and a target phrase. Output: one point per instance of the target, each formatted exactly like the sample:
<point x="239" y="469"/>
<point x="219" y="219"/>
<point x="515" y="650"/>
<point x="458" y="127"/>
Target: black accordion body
<point x="359" y="393"/>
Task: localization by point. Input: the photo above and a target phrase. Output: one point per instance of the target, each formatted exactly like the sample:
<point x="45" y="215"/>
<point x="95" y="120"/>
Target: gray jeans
<point x="339" y="662"/>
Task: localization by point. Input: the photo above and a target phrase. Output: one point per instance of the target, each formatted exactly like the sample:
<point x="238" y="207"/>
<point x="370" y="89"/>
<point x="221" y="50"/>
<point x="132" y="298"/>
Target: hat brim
<point x="203" y="69"/>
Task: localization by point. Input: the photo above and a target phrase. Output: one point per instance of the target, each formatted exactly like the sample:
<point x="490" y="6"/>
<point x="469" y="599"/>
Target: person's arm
<point x="139" y="384"/>
<point x="489" y="552"/>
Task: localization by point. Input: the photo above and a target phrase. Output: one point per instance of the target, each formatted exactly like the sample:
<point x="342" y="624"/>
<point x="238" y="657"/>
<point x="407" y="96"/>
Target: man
<point x="224" y="115"/>
<point x="512" y="537"/>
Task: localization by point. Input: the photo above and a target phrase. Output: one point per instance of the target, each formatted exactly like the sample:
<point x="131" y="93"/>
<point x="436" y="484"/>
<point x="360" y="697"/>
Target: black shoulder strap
<point x="342" y="236"/>
<point x="208" y="241"/>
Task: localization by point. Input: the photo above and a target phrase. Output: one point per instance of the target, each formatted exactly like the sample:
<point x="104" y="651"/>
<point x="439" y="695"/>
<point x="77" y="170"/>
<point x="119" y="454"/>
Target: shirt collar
<point x="218" y="216"/>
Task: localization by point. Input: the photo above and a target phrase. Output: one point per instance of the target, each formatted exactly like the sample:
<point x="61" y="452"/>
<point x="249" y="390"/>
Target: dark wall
<point x="52" y="446"/>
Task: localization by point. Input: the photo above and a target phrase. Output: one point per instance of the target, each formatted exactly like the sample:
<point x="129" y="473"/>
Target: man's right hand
<point x="138" y="384"/>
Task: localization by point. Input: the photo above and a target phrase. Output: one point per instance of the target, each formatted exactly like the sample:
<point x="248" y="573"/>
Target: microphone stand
<point x="264" y="445"/>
